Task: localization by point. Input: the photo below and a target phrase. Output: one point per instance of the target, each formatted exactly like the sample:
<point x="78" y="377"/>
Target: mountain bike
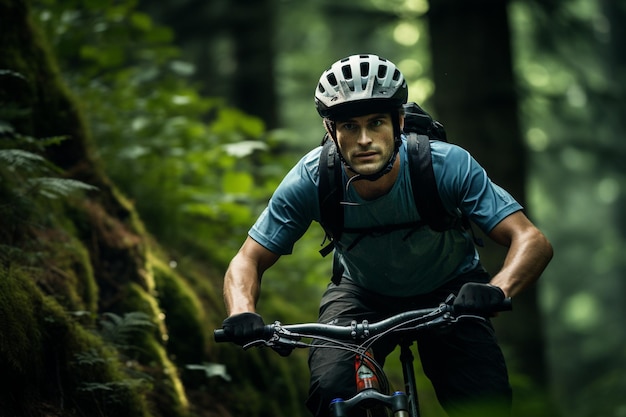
<point x="373" y="388"/>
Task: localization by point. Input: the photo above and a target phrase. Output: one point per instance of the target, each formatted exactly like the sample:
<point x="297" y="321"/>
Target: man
<point x="360" y="99"/>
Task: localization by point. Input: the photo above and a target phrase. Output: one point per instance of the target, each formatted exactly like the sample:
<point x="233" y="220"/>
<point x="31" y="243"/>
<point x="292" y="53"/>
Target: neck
<point x="370" y="190"/>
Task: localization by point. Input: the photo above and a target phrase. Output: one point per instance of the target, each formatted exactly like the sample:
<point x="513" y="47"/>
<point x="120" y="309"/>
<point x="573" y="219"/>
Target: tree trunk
<point x="232" y="46"/>
<point x="252" y="29"/>
<point x="476" y="101"/>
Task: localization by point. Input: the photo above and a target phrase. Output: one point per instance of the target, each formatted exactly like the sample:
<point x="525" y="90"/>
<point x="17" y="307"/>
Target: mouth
<point x="365" y="155"/>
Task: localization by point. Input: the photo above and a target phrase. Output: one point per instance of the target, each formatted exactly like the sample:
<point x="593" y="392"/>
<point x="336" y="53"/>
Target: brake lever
<point x="254" y="343"/>
<point x="445" y="318"/>
<point x="449" y="316"/>
<point x="283" y="337"/>
<point x="468" y="316"/>
<point x="272" y="335"/>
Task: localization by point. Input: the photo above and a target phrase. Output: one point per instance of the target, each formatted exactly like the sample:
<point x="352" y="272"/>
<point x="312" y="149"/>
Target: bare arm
<point x="528" y="255"/>
<point x="242" y="282"/>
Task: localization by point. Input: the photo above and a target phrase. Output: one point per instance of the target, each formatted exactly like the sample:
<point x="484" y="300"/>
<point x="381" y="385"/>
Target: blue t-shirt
<point x="395" y="263"/>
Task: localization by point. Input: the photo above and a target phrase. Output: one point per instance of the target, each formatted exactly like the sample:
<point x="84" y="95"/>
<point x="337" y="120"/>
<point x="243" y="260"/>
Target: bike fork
<point x="410" y="386"/>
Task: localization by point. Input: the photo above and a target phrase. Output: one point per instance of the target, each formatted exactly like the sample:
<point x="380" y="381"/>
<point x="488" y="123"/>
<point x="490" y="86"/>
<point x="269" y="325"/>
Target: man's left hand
<point x="479" y="298"/>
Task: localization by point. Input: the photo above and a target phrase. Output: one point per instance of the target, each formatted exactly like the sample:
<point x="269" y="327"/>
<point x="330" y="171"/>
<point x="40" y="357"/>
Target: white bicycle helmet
<point x="360" y="84"/>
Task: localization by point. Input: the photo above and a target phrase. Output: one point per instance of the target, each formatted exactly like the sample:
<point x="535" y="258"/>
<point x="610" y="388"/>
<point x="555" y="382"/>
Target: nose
<point x="364" y="138"/>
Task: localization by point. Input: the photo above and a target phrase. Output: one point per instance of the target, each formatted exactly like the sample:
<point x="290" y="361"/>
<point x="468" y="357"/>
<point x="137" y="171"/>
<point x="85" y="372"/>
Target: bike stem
<point x="408" y="372"/>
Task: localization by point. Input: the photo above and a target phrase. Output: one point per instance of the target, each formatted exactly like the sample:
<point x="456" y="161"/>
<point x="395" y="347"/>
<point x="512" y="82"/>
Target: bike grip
<point x="507" y="304"/>
<point x="219" y="336"/>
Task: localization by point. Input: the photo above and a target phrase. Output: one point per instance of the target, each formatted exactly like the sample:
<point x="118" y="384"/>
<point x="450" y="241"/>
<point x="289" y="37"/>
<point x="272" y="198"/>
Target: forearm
<point x="526" y="259"/>
<point x="241" y="287"/>
<point x="242" y="282"/>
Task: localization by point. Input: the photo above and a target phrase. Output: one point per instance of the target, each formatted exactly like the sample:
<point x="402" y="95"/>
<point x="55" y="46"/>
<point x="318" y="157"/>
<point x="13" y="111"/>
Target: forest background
<point x="140" y="140"/>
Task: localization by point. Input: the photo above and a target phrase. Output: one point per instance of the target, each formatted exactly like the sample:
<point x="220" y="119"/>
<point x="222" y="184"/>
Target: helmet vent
<point x="365" y="69"/>
<point x="332" y="79"/>
<point x="347" y="72"/>
<point x="396" y="75"/>
<point x="382" y="71"/>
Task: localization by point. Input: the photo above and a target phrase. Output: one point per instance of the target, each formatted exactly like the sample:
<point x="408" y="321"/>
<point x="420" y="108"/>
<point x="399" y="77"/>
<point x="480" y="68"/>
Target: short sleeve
<point x="463" y="184"/>
<point x="291" y="209"/>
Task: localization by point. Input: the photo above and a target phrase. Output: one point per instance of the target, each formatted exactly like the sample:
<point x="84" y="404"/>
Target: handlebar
<point x="411" y="321"/>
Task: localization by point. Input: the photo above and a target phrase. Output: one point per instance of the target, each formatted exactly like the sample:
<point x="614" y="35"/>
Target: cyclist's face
<point x="366" y="142"/>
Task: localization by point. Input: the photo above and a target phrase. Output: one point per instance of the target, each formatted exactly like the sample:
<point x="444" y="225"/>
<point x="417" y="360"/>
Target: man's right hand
<point x="244" y="327"/>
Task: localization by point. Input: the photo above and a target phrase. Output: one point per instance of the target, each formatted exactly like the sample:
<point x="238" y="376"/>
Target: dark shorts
<point x="463" y="362"/>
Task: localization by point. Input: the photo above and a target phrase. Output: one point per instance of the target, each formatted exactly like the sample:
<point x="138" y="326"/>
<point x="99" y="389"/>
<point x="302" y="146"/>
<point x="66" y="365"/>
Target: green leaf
<point x="211" y="370"/>
<point x="17" y="158"/>
<point x="237" y="213"/>
<point x="237" y="182"/>
<point x="244" y="148"/>
<point x="141" y="21"/>
<point x="53" y="188"/>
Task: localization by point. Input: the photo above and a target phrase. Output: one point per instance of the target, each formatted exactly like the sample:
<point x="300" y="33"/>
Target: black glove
<point x="244" y="327"/>
<point x="479" y="298"/>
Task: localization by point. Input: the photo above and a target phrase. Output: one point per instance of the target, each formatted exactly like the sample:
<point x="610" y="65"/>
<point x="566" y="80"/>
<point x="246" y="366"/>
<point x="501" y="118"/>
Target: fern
<point x="19" y="159"/>
<point x="111" y="386"/>
<point x="114" y="392"/>
<point x="52" y="188"/>
<point x="28" y="181"/>
<point x="117" y="330"/>
<point x="19" y="165"/>
<point x="90" y="358"/>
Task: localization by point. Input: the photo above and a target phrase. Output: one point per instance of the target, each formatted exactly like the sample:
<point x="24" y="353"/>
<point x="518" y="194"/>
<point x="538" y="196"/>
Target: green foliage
<point x="119" y="330"/>
<point x="211" y="370"/>
<point x="24" y="168"/>
<point x="91" y="357"/>
<point x="199" y="171"/>
<point x="187" y="162"/>
<point x="185" y="317"/>
<point x="47" y="357"/>
<point x="139" y="333"/>
<point x="20" y="338"/>
<point x="57" y="187"/>
<point x="28" y="183"/>
<point x="152" y="375"/>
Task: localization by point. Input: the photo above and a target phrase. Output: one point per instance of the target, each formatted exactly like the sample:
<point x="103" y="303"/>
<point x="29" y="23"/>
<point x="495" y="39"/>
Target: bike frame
<point x="401" y="404"/>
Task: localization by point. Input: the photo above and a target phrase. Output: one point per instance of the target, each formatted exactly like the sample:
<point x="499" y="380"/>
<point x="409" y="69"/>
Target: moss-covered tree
<point x="67" y="258"/>
<point x="94" y="319"/>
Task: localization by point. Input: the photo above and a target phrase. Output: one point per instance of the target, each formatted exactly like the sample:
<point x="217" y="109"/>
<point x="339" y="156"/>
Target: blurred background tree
<point x="198" y="108"/>
<point x="570" y="63"/>
<point x="476" y="92"/>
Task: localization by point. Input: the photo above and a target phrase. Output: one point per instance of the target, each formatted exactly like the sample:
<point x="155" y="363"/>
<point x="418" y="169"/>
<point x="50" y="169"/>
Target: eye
<point x="377" y="122"/>
<point x="348" y="126"/>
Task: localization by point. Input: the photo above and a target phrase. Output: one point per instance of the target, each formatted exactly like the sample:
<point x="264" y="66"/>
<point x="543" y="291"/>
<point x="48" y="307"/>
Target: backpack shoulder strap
<point x="424" y="185"/>
<point x="330" y="193"/>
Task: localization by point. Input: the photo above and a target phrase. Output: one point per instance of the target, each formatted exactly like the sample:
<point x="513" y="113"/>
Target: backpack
<point x="420" y="129"/>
